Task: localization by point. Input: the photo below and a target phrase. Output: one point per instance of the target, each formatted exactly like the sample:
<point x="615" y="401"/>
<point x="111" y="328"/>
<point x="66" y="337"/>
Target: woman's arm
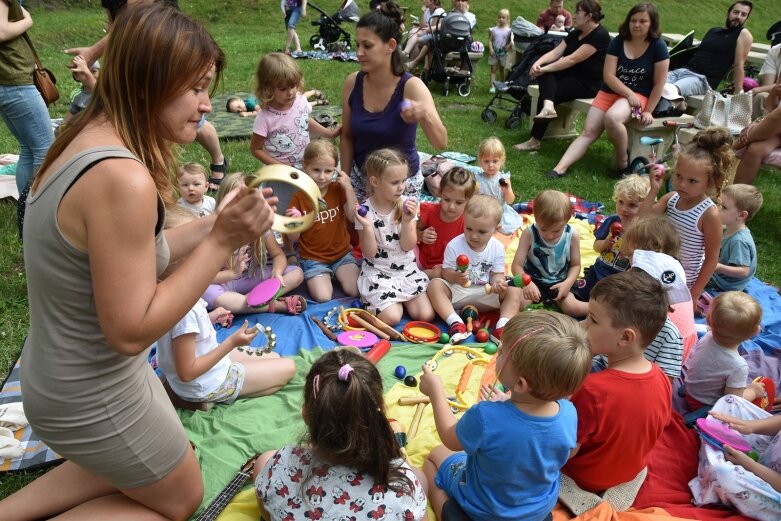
<point x="112" y="211"/>
<point x="346" y="139"/>
<point x="11" y="30"/>
<point x="611" y="80"/>
<point x="710" y="226"/>
<point x="583" y="53"/>
<point x="424" y="111"/>
<point x="660" y="77"/>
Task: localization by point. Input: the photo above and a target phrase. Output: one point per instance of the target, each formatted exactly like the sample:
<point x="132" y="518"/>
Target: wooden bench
<point x="564" y="125"/>
<point x="454" y="59"/>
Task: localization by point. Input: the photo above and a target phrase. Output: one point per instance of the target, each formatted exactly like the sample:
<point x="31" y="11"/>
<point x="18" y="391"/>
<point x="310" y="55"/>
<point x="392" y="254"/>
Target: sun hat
<point x="667" y="270"/>
<point x="671" y="92"/>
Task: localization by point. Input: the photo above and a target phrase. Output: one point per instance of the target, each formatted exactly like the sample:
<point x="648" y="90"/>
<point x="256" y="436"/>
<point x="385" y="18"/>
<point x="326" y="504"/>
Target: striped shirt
<point x="692" y="239"/>
<point x="666" y="351"/>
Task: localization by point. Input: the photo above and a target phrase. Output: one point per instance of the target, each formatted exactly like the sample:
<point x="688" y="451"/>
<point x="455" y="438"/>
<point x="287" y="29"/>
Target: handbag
<point x="43" y="78"/>
<point x="730" y="111"/>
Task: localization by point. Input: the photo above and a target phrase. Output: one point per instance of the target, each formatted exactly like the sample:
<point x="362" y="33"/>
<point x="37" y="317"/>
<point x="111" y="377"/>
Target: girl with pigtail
<point x="349" y="462"/>
<point x="700" y="170"/>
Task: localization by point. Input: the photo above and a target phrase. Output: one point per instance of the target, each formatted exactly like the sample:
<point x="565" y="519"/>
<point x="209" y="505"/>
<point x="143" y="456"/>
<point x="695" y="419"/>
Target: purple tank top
<point x="374" y="130"/>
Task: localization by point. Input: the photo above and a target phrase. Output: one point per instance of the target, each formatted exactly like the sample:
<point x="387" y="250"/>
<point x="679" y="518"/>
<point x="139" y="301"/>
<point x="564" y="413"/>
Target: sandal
<point x="214" y="182"/>
<point x="290" y="301"/>
<point x="526" y="147"/>
<point x="553" y="174"/>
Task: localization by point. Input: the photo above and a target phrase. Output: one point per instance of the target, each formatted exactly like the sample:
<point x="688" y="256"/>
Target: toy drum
<point x="421" y="332"/>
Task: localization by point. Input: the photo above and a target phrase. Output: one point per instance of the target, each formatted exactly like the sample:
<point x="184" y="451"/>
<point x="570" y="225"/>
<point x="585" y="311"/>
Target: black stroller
<point x="330" y="36"/>
<point x="514" y="90"/>
<point x="454" y="35"/>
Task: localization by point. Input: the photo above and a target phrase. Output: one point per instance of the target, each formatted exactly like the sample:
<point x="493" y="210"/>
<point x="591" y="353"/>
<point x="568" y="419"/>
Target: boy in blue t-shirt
<point x="738" y="255"/>
<point x="510" y="451"/>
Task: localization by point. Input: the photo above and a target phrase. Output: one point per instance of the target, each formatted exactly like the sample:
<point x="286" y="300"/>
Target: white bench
<point x="564" y="125"/>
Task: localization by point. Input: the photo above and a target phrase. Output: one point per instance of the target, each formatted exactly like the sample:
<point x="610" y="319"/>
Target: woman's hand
<point x="413" y="111"/>
<point x="247" y="214"/>
<point x="634" y="101"/>
<point x="536" y="70"/>
<point x="646" y="118"/>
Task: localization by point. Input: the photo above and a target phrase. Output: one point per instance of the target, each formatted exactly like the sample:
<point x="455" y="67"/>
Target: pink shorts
<point x="605" y="100"/>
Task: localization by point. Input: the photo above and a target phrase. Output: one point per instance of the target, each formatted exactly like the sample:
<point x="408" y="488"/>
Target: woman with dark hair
<point x="573" y="69"/>
<point x="633" y="78"/>
<point x="383" y="104"/>
<point x="94" y="252"/>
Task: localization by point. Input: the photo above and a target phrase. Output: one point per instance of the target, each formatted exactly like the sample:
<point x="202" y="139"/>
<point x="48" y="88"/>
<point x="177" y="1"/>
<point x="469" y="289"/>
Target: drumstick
<point x="414" y="400"/>
<point x="413" y="428"/>
<point x="377" y="322"/>
<point x="324" y="329"/>
<point x="369" y="327"/>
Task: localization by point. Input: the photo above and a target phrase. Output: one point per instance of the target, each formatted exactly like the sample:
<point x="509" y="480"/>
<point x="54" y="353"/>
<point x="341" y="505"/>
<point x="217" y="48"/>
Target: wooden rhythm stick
<point x="369" y="327"/>
<point x="324" y="329"/>
<point x="413" y="428"/>
<point x="414" y="400"/>
<point x="376" y="322"/>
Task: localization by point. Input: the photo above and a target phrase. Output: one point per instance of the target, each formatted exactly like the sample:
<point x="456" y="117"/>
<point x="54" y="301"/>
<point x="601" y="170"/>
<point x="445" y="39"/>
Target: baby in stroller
<point x="454" y="34"/>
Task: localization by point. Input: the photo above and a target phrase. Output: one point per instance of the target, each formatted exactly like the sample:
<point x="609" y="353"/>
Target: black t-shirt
<point x="716" y="54"/>
<point x="590" y="69"/>
<point x="637" y="74"/>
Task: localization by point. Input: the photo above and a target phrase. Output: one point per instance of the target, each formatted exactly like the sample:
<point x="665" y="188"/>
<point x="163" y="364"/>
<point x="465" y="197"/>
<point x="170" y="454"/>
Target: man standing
<point x="548" y="16"/>
<point x="721" y="48"/>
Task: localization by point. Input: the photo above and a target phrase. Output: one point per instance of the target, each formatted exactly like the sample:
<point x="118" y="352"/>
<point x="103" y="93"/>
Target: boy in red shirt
<point x="622" y="410"/>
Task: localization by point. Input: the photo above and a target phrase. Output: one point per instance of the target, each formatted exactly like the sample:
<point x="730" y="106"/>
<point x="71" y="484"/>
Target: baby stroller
<point x="329" y="33"/>
<point x="514" y="90"/>
<point x="454" y="35"/>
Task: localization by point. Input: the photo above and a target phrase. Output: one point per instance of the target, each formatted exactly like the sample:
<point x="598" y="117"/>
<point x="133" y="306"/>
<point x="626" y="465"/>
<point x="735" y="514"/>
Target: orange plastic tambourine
<point x="347" y="322"/>
<point x="421" y="332"/>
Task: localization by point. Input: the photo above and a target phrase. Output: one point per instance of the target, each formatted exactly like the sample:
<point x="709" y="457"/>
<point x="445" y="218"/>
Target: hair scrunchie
<point x="344" y="372"/>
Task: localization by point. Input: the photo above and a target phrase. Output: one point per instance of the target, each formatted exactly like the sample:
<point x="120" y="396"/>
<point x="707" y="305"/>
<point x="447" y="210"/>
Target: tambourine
<point x="359" y="339"/>
<point x="344" y="320"/>
<point x="766" y="402"/>
<point x="718" y="434"/>
<point x="421" y="332"/>
<point x="288" y="174"/>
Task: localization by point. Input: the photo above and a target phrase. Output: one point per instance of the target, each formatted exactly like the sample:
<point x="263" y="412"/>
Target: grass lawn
<point x="247" y="29"/>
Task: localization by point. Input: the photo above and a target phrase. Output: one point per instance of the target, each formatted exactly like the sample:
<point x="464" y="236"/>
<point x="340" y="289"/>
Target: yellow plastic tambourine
<point x="297" y="178"/>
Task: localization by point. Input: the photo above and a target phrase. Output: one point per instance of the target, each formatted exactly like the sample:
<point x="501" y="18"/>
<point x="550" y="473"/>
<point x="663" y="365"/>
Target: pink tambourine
<point x="359" y="339"/>
<point x="264" y="292"/>
<point x="718" y="434"/>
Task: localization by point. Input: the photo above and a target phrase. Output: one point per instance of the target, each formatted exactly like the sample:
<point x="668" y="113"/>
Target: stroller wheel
<point x="513" y="122"/>
<point x="464" y="89"/>
<point x="488" y="115"/>
<point x="637" y="164"/>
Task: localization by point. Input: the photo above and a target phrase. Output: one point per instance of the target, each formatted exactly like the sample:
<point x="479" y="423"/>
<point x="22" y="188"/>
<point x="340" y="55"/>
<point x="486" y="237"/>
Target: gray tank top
<point x="68" y="370"/>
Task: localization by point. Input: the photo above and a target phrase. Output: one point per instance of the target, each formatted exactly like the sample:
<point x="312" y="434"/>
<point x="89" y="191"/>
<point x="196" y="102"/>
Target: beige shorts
<point x="474" y="295"/>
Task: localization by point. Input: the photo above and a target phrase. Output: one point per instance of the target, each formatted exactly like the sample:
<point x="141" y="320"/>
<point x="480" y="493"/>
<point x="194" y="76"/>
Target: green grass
<point x="246" y="29"/>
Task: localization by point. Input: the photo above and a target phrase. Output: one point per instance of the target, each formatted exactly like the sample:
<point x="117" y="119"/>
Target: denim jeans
<point x="26" y="116"/>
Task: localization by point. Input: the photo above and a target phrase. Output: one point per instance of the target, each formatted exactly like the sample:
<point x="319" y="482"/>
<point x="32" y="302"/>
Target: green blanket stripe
<point x="226" y="436"/>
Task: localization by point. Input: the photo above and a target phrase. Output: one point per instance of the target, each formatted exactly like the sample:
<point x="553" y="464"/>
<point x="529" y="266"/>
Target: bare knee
<point x="392" y="314"/>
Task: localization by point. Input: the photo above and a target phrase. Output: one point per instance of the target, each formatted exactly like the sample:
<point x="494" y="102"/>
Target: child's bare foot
<point x="492" y="393"/>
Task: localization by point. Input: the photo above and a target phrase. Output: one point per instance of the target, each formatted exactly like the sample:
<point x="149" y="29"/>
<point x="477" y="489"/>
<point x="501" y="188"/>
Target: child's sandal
<point x="290" y="301"/>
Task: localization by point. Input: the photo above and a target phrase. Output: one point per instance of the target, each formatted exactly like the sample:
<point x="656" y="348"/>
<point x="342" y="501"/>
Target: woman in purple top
<point x="383" y="104"/>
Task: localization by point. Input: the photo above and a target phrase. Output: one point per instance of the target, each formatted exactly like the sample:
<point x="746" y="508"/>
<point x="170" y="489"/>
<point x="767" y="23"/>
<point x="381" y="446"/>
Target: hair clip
<point x="344" y="371"/>
<point x="315" y="386"/>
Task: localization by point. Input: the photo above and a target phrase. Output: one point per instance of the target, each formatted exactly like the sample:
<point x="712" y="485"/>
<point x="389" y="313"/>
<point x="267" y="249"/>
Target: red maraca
<point x="616" y="229"/>
<point x="462" y="264"/>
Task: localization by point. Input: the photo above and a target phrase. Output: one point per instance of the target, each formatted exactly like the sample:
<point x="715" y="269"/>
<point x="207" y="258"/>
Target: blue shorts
<point x="291" y="17"/>
<point x="313" y="268"/>
<point x="450" y="475"/>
